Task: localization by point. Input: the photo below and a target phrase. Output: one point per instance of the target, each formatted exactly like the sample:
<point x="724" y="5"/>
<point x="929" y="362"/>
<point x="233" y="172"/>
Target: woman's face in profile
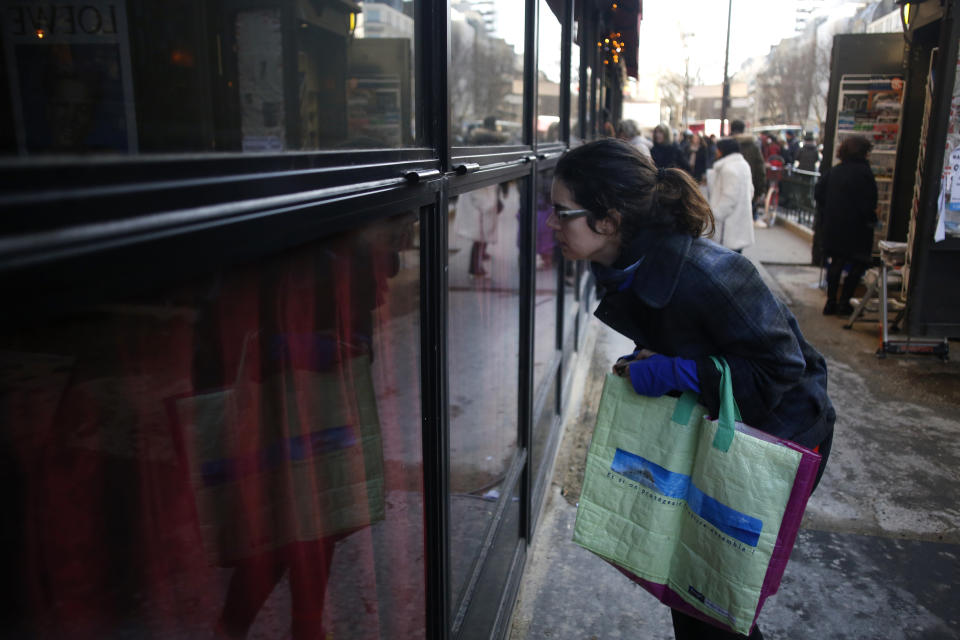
<point x="576" y="239"/>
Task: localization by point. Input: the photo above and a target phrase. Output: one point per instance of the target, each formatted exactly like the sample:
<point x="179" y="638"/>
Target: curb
<point x="797" y="229"/>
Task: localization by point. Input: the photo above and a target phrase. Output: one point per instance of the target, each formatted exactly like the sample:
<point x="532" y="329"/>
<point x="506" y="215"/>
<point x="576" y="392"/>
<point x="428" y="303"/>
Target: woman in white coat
<point x="478" y="213"/>
<point x="730" y="187"/>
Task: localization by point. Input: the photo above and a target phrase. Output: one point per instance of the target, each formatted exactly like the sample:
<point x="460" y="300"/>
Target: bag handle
<point x="686" y="403"/>
<point x="729" y="411"/>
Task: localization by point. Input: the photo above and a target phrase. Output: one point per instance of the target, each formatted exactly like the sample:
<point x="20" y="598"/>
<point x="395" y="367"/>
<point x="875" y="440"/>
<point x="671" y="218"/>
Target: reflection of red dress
<point x="314" y="474"/>
<point x="108" y="474"/>
<point x="105" y="530"/>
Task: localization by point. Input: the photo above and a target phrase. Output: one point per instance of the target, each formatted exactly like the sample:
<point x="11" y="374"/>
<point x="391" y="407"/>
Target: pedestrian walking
<point x="683" y="298"/>
<point x="665" y="153"/>
<point x="791" y="149"/>
<point x="730" y="188"/>
<point x="808" y="157"/>
<point x="712" y="150"/>
<point x="478" y="215"/>
<point x="772" y="147"/>
<point x="846" y="195"/>
<point x="685" y="144"/>
<point x="629" y="131"/>
<point x="751" y="153"/>
<point x="697" y="157"/>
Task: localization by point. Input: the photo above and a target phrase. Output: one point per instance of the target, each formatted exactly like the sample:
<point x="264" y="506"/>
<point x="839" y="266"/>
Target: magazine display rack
<point x="870" y="106"/>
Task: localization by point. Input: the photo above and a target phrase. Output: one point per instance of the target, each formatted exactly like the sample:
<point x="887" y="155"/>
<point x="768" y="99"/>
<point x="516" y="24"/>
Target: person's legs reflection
<point x="250" y="585"/>
<point x="309" y="571"/>
<point x="255" y="579"/>
<point x="476" y="259"/>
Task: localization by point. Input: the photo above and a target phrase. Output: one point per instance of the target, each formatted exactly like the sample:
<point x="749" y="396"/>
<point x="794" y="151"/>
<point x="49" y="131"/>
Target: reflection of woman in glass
<point x="478" y="212"/>
<point x="300" y="462"/>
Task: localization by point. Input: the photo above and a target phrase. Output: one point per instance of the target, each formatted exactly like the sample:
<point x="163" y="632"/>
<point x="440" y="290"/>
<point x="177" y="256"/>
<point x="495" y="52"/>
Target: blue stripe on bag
<point x="295" y="449"/>
<point x="650" y="474"/>
<point x="735" y="524"/>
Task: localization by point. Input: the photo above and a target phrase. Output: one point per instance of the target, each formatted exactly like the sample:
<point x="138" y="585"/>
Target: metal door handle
<point x="419" y="175"/>
<point x="466" y="167"/>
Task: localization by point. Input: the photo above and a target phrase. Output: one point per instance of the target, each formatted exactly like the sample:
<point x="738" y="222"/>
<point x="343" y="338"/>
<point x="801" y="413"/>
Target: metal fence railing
<point x="796" y="201"/>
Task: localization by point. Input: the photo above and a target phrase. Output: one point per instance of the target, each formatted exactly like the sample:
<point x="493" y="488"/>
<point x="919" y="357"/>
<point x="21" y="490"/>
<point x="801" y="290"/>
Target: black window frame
<point x="69" y="221"/>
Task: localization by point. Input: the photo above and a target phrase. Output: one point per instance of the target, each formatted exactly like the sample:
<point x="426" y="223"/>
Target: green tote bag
<point x="702" y="513"/>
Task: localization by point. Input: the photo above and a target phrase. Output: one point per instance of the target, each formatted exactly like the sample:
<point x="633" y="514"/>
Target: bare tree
<point x="793" y="84"/>
<point x="820" y="82"/>
<point x="785" y="85"/>
<point x="462" y="39"/>
<point x="494" y="74"/>
<point x="671" y="87"/>
<point x="482" y="73"/>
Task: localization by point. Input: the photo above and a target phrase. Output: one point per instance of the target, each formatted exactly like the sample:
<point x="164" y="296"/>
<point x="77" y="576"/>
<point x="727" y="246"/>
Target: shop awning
<point x="624" y="19"/>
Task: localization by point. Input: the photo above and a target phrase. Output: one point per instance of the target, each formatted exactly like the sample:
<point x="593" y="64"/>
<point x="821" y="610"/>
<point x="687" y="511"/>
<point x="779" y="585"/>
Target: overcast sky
<point x="755" y="26"/>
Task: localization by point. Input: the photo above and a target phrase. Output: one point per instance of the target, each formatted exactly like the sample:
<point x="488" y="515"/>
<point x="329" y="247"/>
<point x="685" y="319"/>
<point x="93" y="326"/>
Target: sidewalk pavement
<point x="784" y="243"/>
<point x="878" y="556"/>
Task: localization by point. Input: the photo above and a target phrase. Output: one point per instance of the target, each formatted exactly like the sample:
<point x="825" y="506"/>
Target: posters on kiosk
<point x="70" y="78"/>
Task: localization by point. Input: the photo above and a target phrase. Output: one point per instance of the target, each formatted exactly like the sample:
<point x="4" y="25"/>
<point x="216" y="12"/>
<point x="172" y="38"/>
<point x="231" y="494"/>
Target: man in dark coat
<point x="791" y="149"/>
<point x="808" y="156"/>
<point x="847" y="197"/>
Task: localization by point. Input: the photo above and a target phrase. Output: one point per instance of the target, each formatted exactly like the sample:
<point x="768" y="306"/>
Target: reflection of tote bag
<point x="703" y="514"/>
<point x="260" y="483"/>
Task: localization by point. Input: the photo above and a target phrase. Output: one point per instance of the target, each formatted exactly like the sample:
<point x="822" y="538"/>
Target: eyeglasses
<point x="569" y="214"/>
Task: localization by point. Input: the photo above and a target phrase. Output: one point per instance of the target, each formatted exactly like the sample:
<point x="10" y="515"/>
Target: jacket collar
<point x="719" y="162"/>
<point x="649" y="266"/>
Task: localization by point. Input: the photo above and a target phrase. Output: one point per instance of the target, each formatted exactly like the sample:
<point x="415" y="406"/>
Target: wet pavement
<point x="878" y="555"/>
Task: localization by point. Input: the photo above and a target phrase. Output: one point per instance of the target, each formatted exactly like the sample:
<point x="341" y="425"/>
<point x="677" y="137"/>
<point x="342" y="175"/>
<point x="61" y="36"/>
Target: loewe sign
<point x="40" y="20"/>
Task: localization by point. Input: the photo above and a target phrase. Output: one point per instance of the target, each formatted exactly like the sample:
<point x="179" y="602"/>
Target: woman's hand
<point x="622" y="365"/>
<point x="657" y="375"/>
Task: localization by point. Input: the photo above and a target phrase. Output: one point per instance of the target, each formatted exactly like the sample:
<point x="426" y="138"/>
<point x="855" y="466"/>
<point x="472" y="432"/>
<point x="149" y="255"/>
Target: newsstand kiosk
<point x="903" y="91"/>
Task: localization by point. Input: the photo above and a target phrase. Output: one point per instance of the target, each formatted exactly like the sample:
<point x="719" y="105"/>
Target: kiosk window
<point x="152" y="76"/>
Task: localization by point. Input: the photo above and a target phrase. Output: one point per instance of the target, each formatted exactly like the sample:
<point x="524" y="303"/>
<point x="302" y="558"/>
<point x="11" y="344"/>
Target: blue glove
<point x="658" y="374"/>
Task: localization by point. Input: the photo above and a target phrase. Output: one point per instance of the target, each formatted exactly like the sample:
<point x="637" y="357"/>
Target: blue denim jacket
<point x="692" y="298"/>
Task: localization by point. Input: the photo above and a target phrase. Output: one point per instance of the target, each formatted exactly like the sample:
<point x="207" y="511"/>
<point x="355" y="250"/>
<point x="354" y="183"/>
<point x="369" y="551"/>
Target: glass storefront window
<point x="548" y="77"/>
<point x="545" y="351"/>
<point x="154" y="76"/>
<point x="574" y="95"/>
<point x="486" y="599"/>
<point x="548" y="260"/>
<point x="570" y="302"/>
<point x="483" y="361"/>
<point x="587" y="87"/>
<point x="486" y="72"/>
<point x="237" y="456"/>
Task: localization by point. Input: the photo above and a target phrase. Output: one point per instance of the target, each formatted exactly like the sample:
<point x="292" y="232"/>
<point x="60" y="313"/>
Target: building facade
<point x="286" y="338"/>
